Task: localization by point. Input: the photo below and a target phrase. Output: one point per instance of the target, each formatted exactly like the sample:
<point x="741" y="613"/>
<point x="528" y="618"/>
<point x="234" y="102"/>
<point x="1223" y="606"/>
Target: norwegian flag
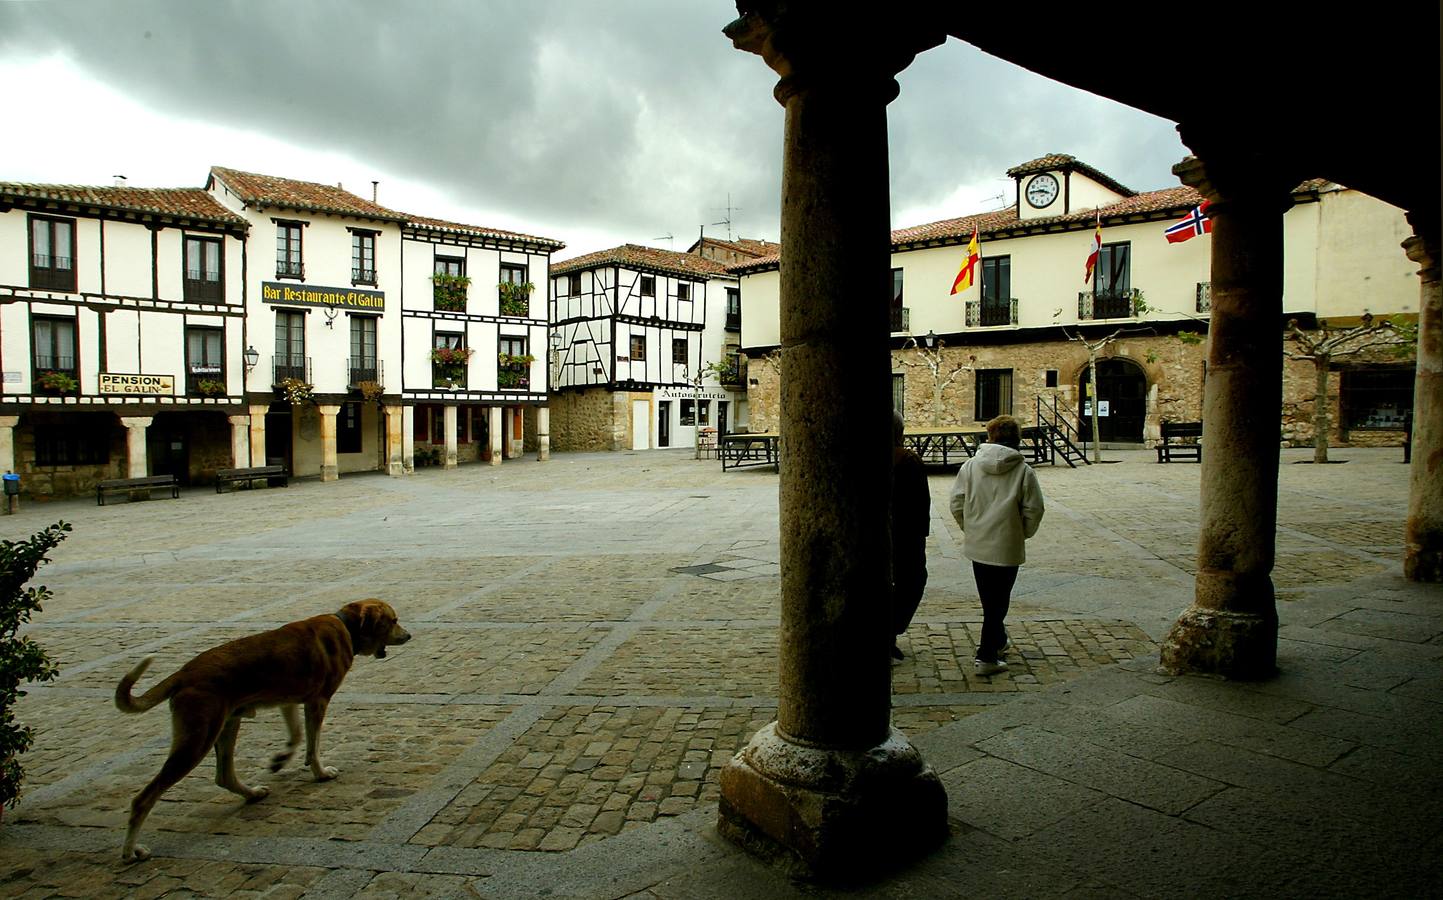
<point x="1192" y="225"/>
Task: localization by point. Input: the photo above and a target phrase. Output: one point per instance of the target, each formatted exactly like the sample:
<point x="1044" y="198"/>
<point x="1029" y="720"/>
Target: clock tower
<point x="1061" y="185"/>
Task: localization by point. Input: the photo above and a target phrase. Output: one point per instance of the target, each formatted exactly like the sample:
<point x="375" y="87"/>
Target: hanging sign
<point x="144" y="385"/>
<point x="317" y="295"/>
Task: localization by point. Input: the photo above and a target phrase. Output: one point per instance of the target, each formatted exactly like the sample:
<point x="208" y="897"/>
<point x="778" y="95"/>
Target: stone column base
<point x="330" y="473"/>
<point x="832" y="813"/>
<point x="1242" y="646"/>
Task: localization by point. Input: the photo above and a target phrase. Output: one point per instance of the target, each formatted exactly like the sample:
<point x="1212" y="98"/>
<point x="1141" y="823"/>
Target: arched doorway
<point x="1122" y="387"/>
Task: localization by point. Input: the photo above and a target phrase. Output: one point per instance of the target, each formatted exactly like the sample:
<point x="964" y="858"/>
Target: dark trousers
<point x="909" y="580"/>
<point x="994" y="587"/>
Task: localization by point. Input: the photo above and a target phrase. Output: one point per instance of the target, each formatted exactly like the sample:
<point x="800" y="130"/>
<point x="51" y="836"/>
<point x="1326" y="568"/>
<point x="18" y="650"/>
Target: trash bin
<point x="12" y="484"/>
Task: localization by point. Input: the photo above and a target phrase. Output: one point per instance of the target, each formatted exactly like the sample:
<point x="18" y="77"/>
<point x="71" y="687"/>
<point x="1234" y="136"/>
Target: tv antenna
<point x="666" y="237"/>
<point x="728" y="209"/>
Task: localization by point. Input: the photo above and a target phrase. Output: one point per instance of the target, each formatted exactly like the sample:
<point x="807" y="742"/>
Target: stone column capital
<point x="239" y="421"/>
<point x="1422" y="246"/>
<point x="259" y="410"/>
<point x="136" y="421"/>
<point x="329" y="409"/>
<point x="9" y="421"/>
<point x="857" y="56"/>
<point x="1226" y="178"/>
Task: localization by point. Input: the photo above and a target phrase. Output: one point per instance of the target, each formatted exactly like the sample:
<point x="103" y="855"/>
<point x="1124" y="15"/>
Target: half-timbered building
<point x="639" y="338"/>
<point x="122" y="331"/>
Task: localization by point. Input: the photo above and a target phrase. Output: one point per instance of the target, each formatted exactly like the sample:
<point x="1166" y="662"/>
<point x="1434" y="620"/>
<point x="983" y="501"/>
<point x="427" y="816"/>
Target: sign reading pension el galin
<point x="113" y="383"/>
<point x="318" y="295"/>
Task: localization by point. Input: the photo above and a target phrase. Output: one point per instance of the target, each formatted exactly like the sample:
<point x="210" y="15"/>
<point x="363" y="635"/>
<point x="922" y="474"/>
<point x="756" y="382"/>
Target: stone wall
<point x="1174" y="370"/>
<point x="51" y="482"/>
<point x="591" y="419"/>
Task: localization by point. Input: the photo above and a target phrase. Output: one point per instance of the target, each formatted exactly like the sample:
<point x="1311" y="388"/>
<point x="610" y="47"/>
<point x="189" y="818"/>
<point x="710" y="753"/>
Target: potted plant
<point x="515" y="297"/>
<point x="21" y="659"/>
<point x="298" y="391"/>
<point x="371" y="391"/>
<point x="210" y="387"/>
<point x="514" y="370"/>
<point x="449" y="291"/>
<point x="58" y="383"/>
<point x="449" y="365"/>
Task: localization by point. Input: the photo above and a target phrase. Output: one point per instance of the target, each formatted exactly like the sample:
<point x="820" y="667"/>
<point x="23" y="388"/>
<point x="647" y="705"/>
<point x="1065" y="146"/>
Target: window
<point x="899" y="392"/>
<point x="449" y="360"/>
<point x="899" y="313"/>
<point x="515" y="297"/>
<point x="204" y="359"/>
<point x="288" y="250"/>
<point x="997" y="290"/>
<point x="448" y="283"/>
<point x="638" y="347"/>
<point x="703" y="408"/>
<point x="513" y="274"/>
<point x="1051" y="377"/>
<point x="54" y="345"/>
<point x="573" y="284"/>
<point x="71" y="445"/>
<point x="648" y="286"/>
<point x="517" y="373"/>
<point x="52" y="253"/>
<point x="1112" y="296"/>
<point x="363" y="257"/>
<point x="1376" y="398"/>
<point x="202" y="270"/>
<point x="454" y="266"/>
<point x="734" y="309"/>
<point x="688" y="412"/>
<point x="364" y="366"/>
<point x="290" y="360"/>
<point x="683" y="291"/>
<point x="678" y="351"/>
<point x="348" y="428"/>
<point x="994" y="394"/>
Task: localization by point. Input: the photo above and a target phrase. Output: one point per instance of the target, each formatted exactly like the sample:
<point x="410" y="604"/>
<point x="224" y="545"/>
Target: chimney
<point x="373" y="190"/>
<point x="120" y="181"/>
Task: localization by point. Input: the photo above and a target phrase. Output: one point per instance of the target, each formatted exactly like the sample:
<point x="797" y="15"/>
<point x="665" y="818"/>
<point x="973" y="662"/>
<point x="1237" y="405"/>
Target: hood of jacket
<point x="997" y="459"/>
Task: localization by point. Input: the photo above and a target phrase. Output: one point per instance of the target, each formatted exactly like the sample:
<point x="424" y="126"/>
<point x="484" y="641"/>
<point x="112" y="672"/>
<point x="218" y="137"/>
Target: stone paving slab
<point x="558" y="723"/>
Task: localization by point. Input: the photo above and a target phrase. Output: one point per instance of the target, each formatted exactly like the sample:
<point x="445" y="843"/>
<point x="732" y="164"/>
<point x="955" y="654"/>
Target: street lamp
<point x="930" y="340"/>
<point x="251" y="358"/>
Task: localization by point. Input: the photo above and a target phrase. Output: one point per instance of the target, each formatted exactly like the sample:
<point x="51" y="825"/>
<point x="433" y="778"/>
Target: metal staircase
<point x="1054" y="436"/>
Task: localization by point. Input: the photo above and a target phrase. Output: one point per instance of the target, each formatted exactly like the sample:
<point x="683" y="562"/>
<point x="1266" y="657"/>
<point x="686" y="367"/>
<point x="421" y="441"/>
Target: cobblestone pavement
<point x="594" y="637"/>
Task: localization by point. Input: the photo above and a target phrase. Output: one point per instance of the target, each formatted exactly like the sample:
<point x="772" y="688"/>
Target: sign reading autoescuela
<point x="316" y="295"/>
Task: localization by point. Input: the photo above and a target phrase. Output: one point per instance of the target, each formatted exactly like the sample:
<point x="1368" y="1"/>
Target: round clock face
<point x="1041" y="191"/>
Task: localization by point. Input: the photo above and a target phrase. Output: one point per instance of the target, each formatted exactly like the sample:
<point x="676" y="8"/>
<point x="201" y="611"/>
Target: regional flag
<point x="1093" y="253"/>
<point x="1191" y="225"/>
<point x="968" y="274"/>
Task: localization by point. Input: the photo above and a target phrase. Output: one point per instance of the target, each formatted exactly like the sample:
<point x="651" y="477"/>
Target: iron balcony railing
<point x="901" y="319"/>
<point x="734" y="321"/>
<point x="513" y="377"/>
<point x="1108" y="304"/>
<point x="198" y="372"/>
<point x="363" y="276"/>
<point x="1204" y="296"/>
<point x="287" y="268"/>
<point x="735" y="373"/>
<point x="986" y="313"/>
<point x="289" y="366"/>
<point x="363" y="368"/>
<point x="202" y="287"/>
<point x="443" y="376"/>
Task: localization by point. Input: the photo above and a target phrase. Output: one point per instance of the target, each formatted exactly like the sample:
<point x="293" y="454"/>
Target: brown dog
<point x="300" y="663"/>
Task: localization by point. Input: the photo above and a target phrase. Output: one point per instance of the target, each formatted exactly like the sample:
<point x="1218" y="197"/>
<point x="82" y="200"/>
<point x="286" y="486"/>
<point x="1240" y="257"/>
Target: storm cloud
<point x="632" y="118"/>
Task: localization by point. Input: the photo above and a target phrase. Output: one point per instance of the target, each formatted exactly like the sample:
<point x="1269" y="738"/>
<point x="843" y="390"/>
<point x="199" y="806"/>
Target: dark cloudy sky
<point x="594" y="123"/>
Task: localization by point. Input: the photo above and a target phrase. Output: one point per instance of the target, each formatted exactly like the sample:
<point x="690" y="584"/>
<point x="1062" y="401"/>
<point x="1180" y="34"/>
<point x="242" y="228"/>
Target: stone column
<point x="448" y="425"/>
<point x="136" y="464"/>
<point x="493" y="433"/>
<point x="1423" y="550"/>
<point x="240" y="445"/>
<point x="329" y="470"/>
<point x="1231" y="628"/>
<point x="408" y="439"/>
<point x="7" y="442"/>
<point x="831" y="784"/>
<point x="395" y="427"/>
<point x="258" y="433"/>
<point x="543" y="433"/>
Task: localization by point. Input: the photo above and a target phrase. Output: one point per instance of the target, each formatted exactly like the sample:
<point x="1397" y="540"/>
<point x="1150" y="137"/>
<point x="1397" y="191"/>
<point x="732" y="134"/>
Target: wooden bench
<point x="134" y="486"/>
<point x="1180" y="440"/>
<point x="251" y="475"/>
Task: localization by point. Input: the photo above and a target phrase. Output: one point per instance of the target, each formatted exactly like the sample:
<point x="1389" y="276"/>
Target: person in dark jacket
<point x="911" y="511"/>
<point x="997" y="503"/>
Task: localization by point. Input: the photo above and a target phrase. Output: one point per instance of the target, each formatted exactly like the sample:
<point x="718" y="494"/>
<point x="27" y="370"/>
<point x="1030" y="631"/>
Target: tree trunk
<point x="1096" y="401"/>
<point x="937" y="397"/>
<point x="1321" y="427"/>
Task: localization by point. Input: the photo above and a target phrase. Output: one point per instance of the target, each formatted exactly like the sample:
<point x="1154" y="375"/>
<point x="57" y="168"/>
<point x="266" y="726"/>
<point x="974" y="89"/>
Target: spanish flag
<point x="968" y="274"/>
<point x="1096" y="249"/>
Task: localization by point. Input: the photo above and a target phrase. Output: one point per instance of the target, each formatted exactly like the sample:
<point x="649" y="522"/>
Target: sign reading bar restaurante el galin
<point x="315" y="295"/>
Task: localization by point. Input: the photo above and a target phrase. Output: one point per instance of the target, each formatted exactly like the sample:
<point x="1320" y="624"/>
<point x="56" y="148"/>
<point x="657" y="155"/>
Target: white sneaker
<point x="982" y="667"/>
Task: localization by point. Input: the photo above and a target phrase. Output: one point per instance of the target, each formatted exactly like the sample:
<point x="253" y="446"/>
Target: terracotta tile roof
<point x="744" y="246"/>
<point x="635" y="256"/>
<point x="1065" y="163"/>
<point x="429" y="224"/>
<point x="181" y="203"/>
<point x="262" y="191"/>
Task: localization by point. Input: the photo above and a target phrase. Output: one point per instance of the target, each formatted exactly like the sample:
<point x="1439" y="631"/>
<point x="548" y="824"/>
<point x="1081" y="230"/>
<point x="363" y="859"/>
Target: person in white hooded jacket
<point x="997" y="503"/>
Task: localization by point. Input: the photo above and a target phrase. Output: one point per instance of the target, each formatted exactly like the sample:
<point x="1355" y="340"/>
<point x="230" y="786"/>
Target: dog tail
<point x="128" y="704"/>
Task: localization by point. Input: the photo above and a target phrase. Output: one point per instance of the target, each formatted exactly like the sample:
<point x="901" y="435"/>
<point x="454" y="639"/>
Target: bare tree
<point x="930" y="349"/>
<point x="1325" y="344"/>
